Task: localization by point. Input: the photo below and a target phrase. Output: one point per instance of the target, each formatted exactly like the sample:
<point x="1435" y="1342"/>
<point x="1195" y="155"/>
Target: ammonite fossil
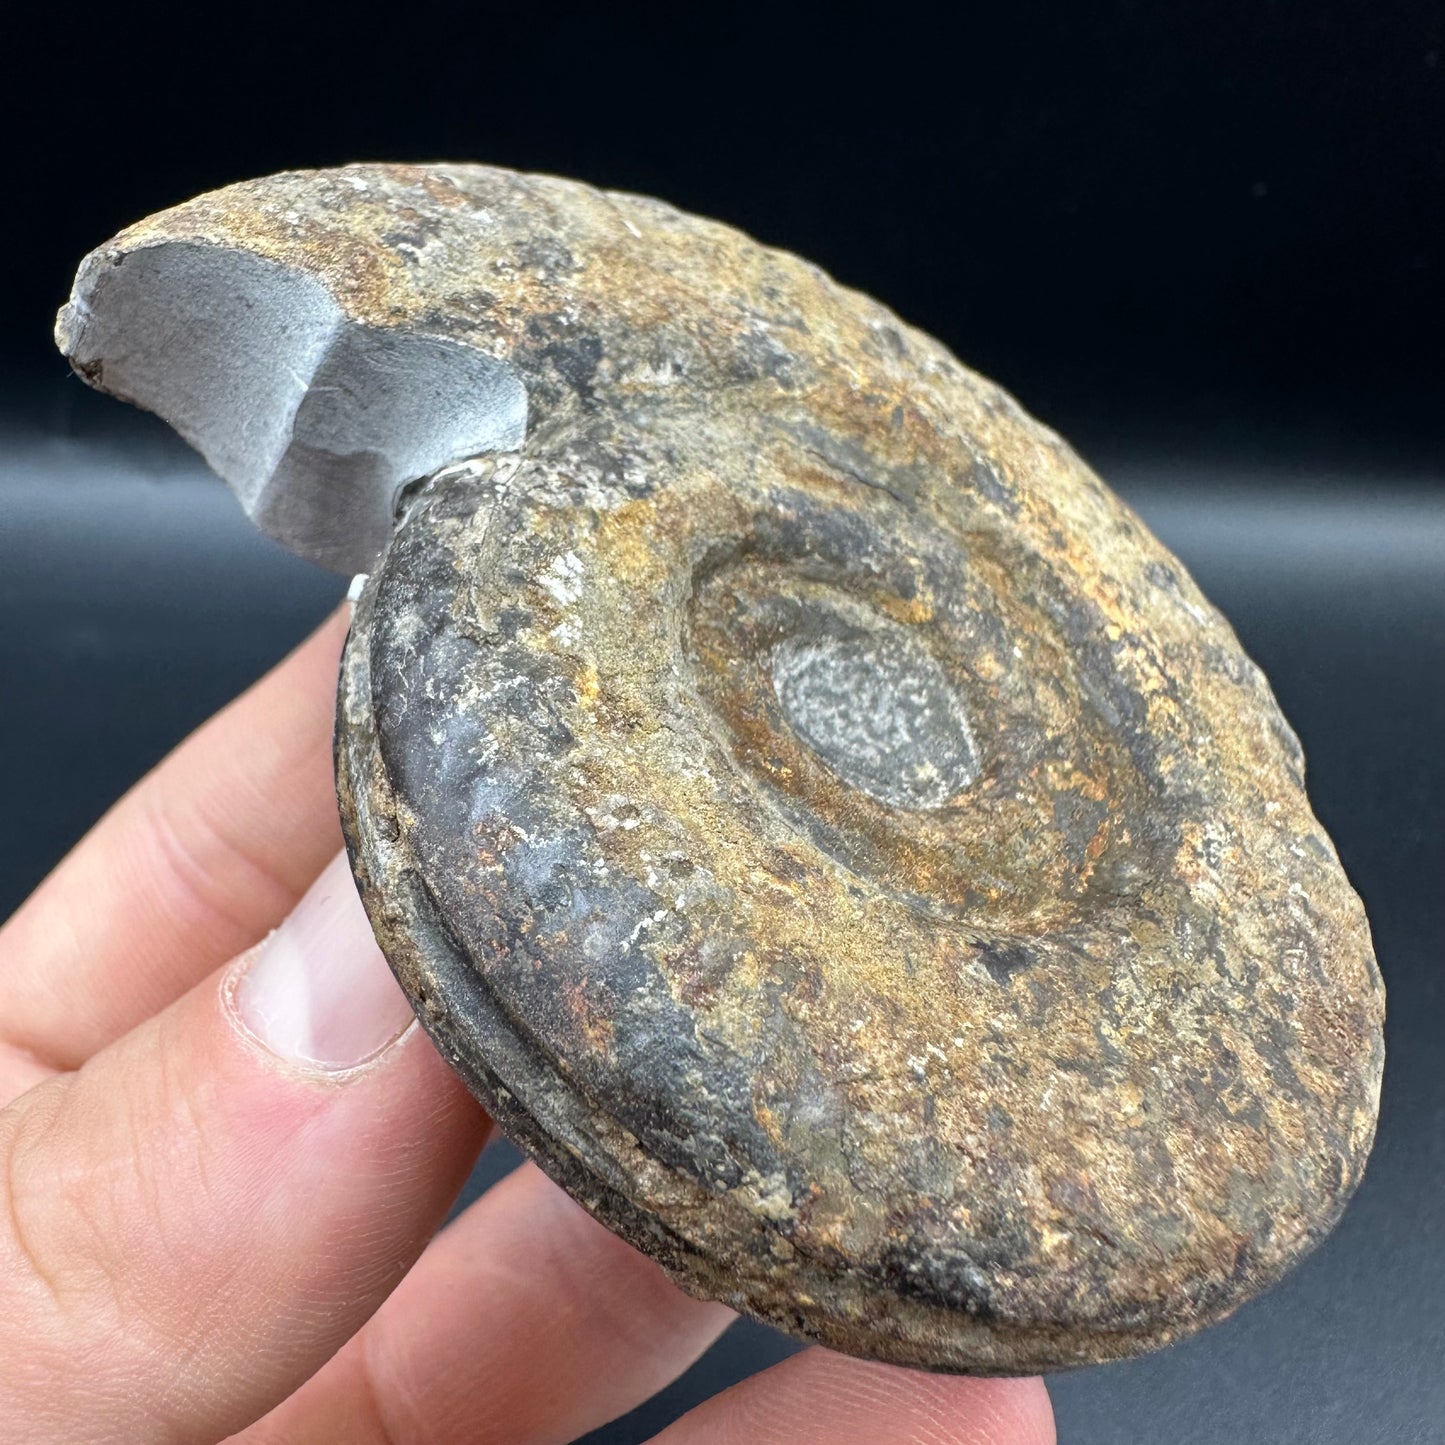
<point x="809" y="809"/>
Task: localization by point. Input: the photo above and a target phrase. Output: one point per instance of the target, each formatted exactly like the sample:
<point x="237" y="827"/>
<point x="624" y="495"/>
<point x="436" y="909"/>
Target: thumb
<point x="211" y="1206"/>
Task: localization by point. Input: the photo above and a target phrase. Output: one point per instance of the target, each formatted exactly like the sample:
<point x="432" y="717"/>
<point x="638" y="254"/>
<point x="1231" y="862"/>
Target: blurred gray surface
<point x="135" y="599"/>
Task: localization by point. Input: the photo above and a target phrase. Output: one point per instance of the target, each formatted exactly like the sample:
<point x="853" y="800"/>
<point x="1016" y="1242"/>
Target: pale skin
<point x="202" y="1241"/>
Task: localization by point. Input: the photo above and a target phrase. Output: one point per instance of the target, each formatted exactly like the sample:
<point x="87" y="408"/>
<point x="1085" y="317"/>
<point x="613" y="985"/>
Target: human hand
<point x="221" y="1178"/>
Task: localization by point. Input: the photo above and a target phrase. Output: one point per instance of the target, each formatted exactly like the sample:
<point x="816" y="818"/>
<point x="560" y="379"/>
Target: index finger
<point x="199" y="860"/>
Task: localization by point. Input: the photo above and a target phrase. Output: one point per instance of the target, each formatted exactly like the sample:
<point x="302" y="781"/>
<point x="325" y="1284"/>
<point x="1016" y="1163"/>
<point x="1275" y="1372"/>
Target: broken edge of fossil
<point x="315" y="420"/>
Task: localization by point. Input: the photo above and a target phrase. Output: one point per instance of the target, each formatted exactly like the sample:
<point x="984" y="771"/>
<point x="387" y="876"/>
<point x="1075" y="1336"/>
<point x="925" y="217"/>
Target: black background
<point x="1204" y="242"/>
<point x="1195" y="224"/>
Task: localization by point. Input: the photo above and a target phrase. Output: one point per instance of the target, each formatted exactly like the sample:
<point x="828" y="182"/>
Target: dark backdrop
<point x="1196" y="221"/>
<point x="1203" y="241"/>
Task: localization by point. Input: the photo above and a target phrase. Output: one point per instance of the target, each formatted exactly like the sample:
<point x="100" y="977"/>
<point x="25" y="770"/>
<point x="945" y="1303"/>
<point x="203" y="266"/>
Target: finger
<point x="525" y="1322"/>
<point x="203" y="1214"/>
<point x="194" y="864"/>
<point x="820" y="1398"/>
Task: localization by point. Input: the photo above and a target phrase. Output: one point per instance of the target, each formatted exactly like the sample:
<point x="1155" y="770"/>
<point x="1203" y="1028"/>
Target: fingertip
<point x="318" y="993"/>
<point x="1026" y="1409"/>
<point x="819" y="1397"/>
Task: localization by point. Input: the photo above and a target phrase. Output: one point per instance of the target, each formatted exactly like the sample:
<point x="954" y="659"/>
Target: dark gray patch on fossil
<point x="880" y="712"/>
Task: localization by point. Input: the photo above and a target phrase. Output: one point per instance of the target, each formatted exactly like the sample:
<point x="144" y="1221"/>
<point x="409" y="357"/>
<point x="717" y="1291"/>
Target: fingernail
<point x="318" y="992"/>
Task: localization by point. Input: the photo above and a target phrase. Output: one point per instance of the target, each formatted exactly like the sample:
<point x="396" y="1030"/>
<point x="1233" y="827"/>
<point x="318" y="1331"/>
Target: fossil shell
<point x="807" y="807"/>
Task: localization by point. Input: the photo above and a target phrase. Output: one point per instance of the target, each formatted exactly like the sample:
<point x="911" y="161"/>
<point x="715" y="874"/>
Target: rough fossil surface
<point x="810" y="810"/>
